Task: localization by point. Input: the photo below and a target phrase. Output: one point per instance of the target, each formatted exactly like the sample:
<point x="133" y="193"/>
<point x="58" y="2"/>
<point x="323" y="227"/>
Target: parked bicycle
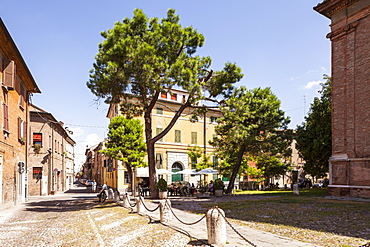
<point x="103" y="193"/>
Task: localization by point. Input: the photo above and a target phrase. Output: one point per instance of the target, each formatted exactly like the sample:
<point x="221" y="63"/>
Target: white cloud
<point x="310" y="84"/>
<point x="323" y="68"/>
<point x="92" y="139"/>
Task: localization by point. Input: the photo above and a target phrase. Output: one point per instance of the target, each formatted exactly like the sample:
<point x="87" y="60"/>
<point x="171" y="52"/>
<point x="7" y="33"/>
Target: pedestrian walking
<point x="94" y="186"/>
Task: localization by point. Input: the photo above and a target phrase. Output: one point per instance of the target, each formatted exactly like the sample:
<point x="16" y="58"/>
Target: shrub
<point x="218" y="185"/>
<point x="162" y="185"/>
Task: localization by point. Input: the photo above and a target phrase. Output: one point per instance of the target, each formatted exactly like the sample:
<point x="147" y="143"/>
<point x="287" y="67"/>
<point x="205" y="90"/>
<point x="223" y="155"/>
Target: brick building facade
<point x="17" y="84"/>
<point x="349" y="165"/>
<point x="51" y="154"/>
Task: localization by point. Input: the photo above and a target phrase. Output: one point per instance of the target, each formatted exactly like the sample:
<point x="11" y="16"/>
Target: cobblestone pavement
<point x="77" y="219"/>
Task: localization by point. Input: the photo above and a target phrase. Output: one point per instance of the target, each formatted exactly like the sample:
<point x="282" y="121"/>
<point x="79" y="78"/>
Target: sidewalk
<point x="199" y="230"/>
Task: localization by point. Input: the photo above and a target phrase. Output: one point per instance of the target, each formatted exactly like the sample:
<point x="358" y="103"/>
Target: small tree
<point x="251" y="124"/>
<point x="126" y="142"/>
<point x="314" y="135"/>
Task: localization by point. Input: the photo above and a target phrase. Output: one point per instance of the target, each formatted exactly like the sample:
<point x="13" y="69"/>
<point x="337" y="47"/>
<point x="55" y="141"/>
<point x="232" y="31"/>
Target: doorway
<point x="176" y="167"/>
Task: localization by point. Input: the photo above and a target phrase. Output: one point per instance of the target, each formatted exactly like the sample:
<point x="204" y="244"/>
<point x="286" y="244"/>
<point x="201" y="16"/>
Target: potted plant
<point x="37" y="148"/>
<point x="162" y="187"/>
<point x="202" y="190"/>
<point x="219" y="187"/>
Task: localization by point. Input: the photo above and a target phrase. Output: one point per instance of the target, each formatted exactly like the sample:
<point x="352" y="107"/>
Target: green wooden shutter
<point x="194" y="139"/>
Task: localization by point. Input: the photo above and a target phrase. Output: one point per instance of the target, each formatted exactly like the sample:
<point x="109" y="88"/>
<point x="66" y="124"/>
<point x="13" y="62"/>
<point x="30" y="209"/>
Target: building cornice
<point x="330" y="7"/>
<point x="11" y="51"/>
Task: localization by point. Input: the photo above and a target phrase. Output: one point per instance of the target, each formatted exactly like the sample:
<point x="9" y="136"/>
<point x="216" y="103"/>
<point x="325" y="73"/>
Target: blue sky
<point x="278" y="43"/>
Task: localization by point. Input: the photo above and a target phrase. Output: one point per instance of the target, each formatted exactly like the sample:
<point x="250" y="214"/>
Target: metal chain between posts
<point x="129" y="203"/>
<point x="249" y="242"/>
<point x="141" y="199"/>
<point x="183" y="221"/>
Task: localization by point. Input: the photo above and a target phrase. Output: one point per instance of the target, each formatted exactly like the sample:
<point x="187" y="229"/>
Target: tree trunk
<point x="129" y="171"/>
<point x="152" y="172"/>
<point x="236" y="169"/>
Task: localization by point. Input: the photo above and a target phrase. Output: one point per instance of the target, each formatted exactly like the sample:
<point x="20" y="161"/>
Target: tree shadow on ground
<point x="317" y="213"/>
<point x="68" y="205"/>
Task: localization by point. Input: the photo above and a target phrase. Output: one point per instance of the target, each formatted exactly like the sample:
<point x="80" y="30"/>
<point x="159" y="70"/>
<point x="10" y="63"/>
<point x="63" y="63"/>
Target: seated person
<point x="180" y="188"/>
<point x="210" y="187"/>
<point x="172" y="189"/>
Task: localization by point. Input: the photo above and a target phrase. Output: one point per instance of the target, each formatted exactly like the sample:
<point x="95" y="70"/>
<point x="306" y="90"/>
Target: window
<point x="37" y="173"/>
<point x="159" y="111"/>
<point x="159" y="161"/>
<point x="159" y="130"/>
<point x="194" y="163"/>
<point x="174" y="96"/>
<point x="215" y="163"/>
<point x="6" y="118"/>
<point x="194" y="139"/>
<point x="21" y="130"/>
<point x="214" y="137"/>
<point x="22" y="96"/>
<point x="213" y="119"/>
<point x="126" y="178"/>
<point x="8" y="73"/>
<point x="164" y="95"/>
<point x="110" y="165"/>
<point x="178" y="136"/>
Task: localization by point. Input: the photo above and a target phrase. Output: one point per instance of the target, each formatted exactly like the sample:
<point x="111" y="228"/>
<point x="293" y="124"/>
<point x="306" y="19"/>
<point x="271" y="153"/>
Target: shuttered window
<point x="158" y="131"/>
<point x="194" y="138"/>
<point x="22" y="96"/>
<point x="8" y="73"/>
<point x="21" y="130"/>
<point x="178" y="136"/>
<point x="6" y="118"/>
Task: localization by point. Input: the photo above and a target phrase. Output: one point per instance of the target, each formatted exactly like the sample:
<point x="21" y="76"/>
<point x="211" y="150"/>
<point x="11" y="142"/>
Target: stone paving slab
<point x="199" y="230"/>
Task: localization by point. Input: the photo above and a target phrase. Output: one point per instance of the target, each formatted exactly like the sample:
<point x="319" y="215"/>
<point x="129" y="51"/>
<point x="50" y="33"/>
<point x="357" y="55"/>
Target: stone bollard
<point x="110" y="194"/>
<point x="116" y="196"/>
<point x="125" y="200"/>
<point x="216" y="226"/>
<point x="139" y="206"/>
<point x="295" y="189"/>
<point x="165" y="210"/>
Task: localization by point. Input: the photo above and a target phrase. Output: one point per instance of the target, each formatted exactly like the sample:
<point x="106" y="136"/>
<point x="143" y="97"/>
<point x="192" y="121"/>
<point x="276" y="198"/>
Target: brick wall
<point x="350" y="37"/>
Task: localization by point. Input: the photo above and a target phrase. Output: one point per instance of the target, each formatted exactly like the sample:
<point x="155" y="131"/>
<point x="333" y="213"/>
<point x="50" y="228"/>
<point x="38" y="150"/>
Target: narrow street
<point x="75" y="218"/>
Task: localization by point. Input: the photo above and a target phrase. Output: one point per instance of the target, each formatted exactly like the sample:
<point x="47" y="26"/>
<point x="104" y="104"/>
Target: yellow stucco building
<point x="171" y="152"/>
